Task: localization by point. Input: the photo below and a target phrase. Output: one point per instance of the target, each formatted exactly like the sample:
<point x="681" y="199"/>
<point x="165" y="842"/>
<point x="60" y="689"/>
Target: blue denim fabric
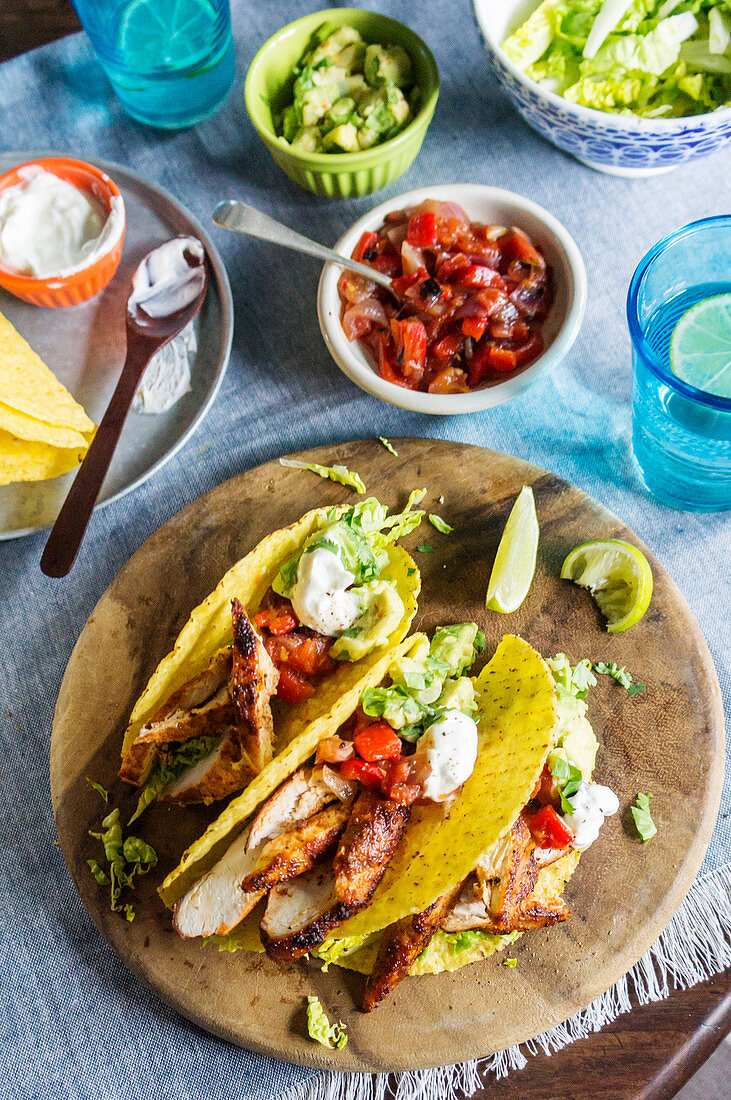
<point x="75" y="1023"/>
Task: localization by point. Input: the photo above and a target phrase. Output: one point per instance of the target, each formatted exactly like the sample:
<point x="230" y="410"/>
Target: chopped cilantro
<point x="410" y="572"/>
<point x="641" y="814"/>
<point x="438" y="522"/>
<point x="569" y="780"/>
<point x="425" y="548"/>
<point x="98" y="787"/>
<point x="621" y="675"/>
<point x="388" y="445"/>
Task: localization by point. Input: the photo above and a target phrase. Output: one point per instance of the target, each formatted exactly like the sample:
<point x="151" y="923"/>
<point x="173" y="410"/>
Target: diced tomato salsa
<point x="301" y="655"/>
<point x="473" y="299"/>
<point x="377" y="759"/>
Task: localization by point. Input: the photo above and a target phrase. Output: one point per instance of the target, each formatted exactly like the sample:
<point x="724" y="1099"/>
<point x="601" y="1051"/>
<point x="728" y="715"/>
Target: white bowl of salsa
<point x="555" y="332"/>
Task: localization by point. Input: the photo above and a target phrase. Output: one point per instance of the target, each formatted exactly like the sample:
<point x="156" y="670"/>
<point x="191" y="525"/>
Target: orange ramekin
<point x="79" y="286"/>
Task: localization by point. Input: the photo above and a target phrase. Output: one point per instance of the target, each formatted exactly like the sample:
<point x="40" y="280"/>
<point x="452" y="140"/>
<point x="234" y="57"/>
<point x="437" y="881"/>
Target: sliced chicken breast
<point x="200" y="708"/>
<point x="217" y="775"/>
<point x="293" y="924"/>
<point x="501" y="896"/>
<point x="400" y="947"/>
<point x="302" y="795"/>
<point x="216" y="903"/>
<point x="299" y="849"/>
<point x="254" y="679"/>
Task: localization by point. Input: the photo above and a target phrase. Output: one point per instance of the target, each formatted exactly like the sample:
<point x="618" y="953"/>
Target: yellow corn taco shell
<point x="516" y="718"/>
<point x="32" y="460"/>
<point x="28" y="386"/>
<point x="341" y="701"/>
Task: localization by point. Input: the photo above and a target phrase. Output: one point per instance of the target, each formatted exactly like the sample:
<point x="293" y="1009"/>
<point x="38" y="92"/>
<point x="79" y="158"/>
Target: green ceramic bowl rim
<point x="429" y="92"/>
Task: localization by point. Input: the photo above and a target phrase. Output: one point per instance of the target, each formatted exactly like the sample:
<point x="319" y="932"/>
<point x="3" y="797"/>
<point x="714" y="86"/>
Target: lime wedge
<point x="617" y="574"/>
<point x="515" y="561"/>
<point x="700" y="347"/>
<point x="157" y="34"/>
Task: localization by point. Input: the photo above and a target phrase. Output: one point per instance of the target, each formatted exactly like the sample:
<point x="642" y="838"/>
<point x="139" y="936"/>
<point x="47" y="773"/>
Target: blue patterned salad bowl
<point x="621" y="145"/>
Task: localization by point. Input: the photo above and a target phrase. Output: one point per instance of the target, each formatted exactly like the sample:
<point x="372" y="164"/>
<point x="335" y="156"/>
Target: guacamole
<point x="348" y="95"/>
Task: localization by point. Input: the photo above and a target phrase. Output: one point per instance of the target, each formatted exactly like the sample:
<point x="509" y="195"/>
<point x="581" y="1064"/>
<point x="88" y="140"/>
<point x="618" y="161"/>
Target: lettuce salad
<point x="652" y="58"/>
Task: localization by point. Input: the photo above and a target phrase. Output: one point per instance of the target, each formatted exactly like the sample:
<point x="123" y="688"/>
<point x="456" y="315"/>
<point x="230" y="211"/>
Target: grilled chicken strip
<point x="199" y="708"/>
<point x="301" y="913"/>
<point x="230" y="699"/>
<point x="303" y="794"/>
<point x="299" y="849"/>
<point x="254" y="679"/>
<point x="216" y="903"/>
<point x="400" y="947"/>
<point x="230" y="890"/>
<point x="501" y="896"/>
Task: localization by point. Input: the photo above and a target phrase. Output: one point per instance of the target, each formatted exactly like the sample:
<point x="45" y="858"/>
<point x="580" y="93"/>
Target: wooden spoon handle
<point x="68" y="530"/>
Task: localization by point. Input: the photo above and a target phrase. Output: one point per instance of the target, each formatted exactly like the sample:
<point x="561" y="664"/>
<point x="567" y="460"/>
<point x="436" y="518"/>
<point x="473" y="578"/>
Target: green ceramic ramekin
<point x="338" y="175"/>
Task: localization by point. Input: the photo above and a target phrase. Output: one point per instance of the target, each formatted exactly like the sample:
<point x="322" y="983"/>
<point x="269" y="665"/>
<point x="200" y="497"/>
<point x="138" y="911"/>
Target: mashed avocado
<point x="348" y="96"/>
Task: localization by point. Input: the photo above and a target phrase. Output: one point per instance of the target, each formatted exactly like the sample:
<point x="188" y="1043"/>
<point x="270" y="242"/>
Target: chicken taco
<point x="437" y="822"/>
<point x="277" y="653"/>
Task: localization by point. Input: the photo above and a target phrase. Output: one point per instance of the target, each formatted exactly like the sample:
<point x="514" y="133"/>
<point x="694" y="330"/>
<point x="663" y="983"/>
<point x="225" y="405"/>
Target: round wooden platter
<point x="668" y="740"/>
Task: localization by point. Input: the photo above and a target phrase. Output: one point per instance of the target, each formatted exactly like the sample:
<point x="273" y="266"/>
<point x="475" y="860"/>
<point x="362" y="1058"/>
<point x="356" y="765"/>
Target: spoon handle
<point x="68" y="530"/>
<point x="241" y="218"/>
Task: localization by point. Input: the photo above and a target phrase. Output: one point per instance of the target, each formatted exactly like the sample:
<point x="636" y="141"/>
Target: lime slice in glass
<point x="617" y="574"/>
<point x="176" y="34"/>
<point x="515" y="561"/>
<point x="700" y="346"/>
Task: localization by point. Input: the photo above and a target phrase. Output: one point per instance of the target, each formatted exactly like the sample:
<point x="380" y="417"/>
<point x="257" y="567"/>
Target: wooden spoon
<point x="167" y="291"/>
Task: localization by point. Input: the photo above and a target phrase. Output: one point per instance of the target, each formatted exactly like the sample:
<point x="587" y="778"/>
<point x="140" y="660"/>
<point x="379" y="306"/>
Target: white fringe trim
<point x="695" y="946"/>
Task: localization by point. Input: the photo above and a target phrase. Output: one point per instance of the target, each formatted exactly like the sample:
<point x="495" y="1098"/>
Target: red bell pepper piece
<point x="422" y="231"/>
<point x="448" y="346"/>
<point x="367" y="774"/>
<point x="478" y="277"/>
<point x="549" y="830"/>
<point x="474" y="326"/>
<point x="410" y="340"/>
<point x="277" y="620"/>
<point x="367" y="242"/>
<point x="377" y="742"/>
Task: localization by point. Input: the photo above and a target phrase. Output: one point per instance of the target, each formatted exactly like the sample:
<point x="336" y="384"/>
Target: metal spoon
<point x="167" y="291"/>
<point x="241" y="218"/>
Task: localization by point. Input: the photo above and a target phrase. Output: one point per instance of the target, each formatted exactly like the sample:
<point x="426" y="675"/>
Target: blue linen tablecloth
<point x="75" y="1023"/>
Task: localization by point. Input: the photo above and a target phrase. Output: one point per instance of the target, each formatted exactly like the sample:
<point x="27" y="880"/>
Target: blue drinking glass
<point x="170" y="62"/>
<point x="681" y="436"/>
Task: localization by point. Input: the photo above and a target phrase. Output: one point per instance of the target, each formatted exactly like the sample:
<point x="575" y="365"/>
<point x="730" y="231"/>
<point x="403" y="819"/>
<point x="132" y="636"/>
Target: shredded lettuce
<point x="571" y="681"/>
<point x="341" y="474"/>
<point x="98" y="788"/>
<point x="178" y="758"/>
<point x="653" y="58"/>
<point x="127" y="858"/>
<point x="388" y="445"/>
<point x="360" y="536"/>
<point x="641" y="815"/>
<point x="440" y="524"/>
<point x="320" y="1029"/>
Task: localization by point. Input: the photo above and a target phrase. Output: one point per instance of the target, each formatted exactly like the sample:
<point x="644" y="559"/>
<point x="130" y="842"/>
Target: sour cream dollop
<point x="319" y="597"/>
<point x="448" y="747"/>
<point x="49" y="228"/>
<point x="592" y="803"/>
<point x="166" y="281"/>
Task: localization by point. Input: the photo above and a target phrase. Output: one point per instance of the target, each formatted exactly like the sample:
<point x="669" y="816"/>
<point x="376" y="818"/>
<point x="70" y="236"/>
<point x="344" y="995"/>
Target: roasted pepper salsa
<point x="471" y="299"/>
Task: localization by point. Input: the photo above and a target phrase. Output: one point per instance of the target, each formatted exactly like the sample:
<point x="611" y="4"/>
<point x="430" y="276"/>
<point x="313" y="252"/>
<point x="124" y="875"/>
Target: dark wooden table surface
<point x="647" y="1054"/>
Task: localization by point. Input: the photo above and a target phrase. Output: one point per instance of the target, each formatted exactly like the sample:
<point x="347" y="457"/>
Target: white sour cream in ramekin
<point x="49" y="228"/>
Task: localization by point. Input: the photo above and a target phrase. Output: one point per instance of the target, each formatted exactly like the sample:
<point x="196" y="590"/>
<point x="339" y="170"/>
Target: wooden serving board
<point x="668" y="740"/>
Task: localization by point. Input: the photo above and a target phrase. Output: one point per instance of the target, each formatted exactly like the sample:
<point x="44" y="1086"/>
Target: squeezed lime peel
<point x="617" y="575"/>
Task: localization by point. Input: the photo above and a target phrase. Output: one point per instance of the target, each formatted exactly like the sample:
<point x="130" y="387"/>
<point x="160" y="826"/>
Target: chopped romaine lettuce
<point x="177" y="760"/>
<point x="341" y="474"/>
<point x="641" y="815"/>
<point x="653" y="58"/>
<point x="320" y="1029"/>
<point x="127" y="858"/>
